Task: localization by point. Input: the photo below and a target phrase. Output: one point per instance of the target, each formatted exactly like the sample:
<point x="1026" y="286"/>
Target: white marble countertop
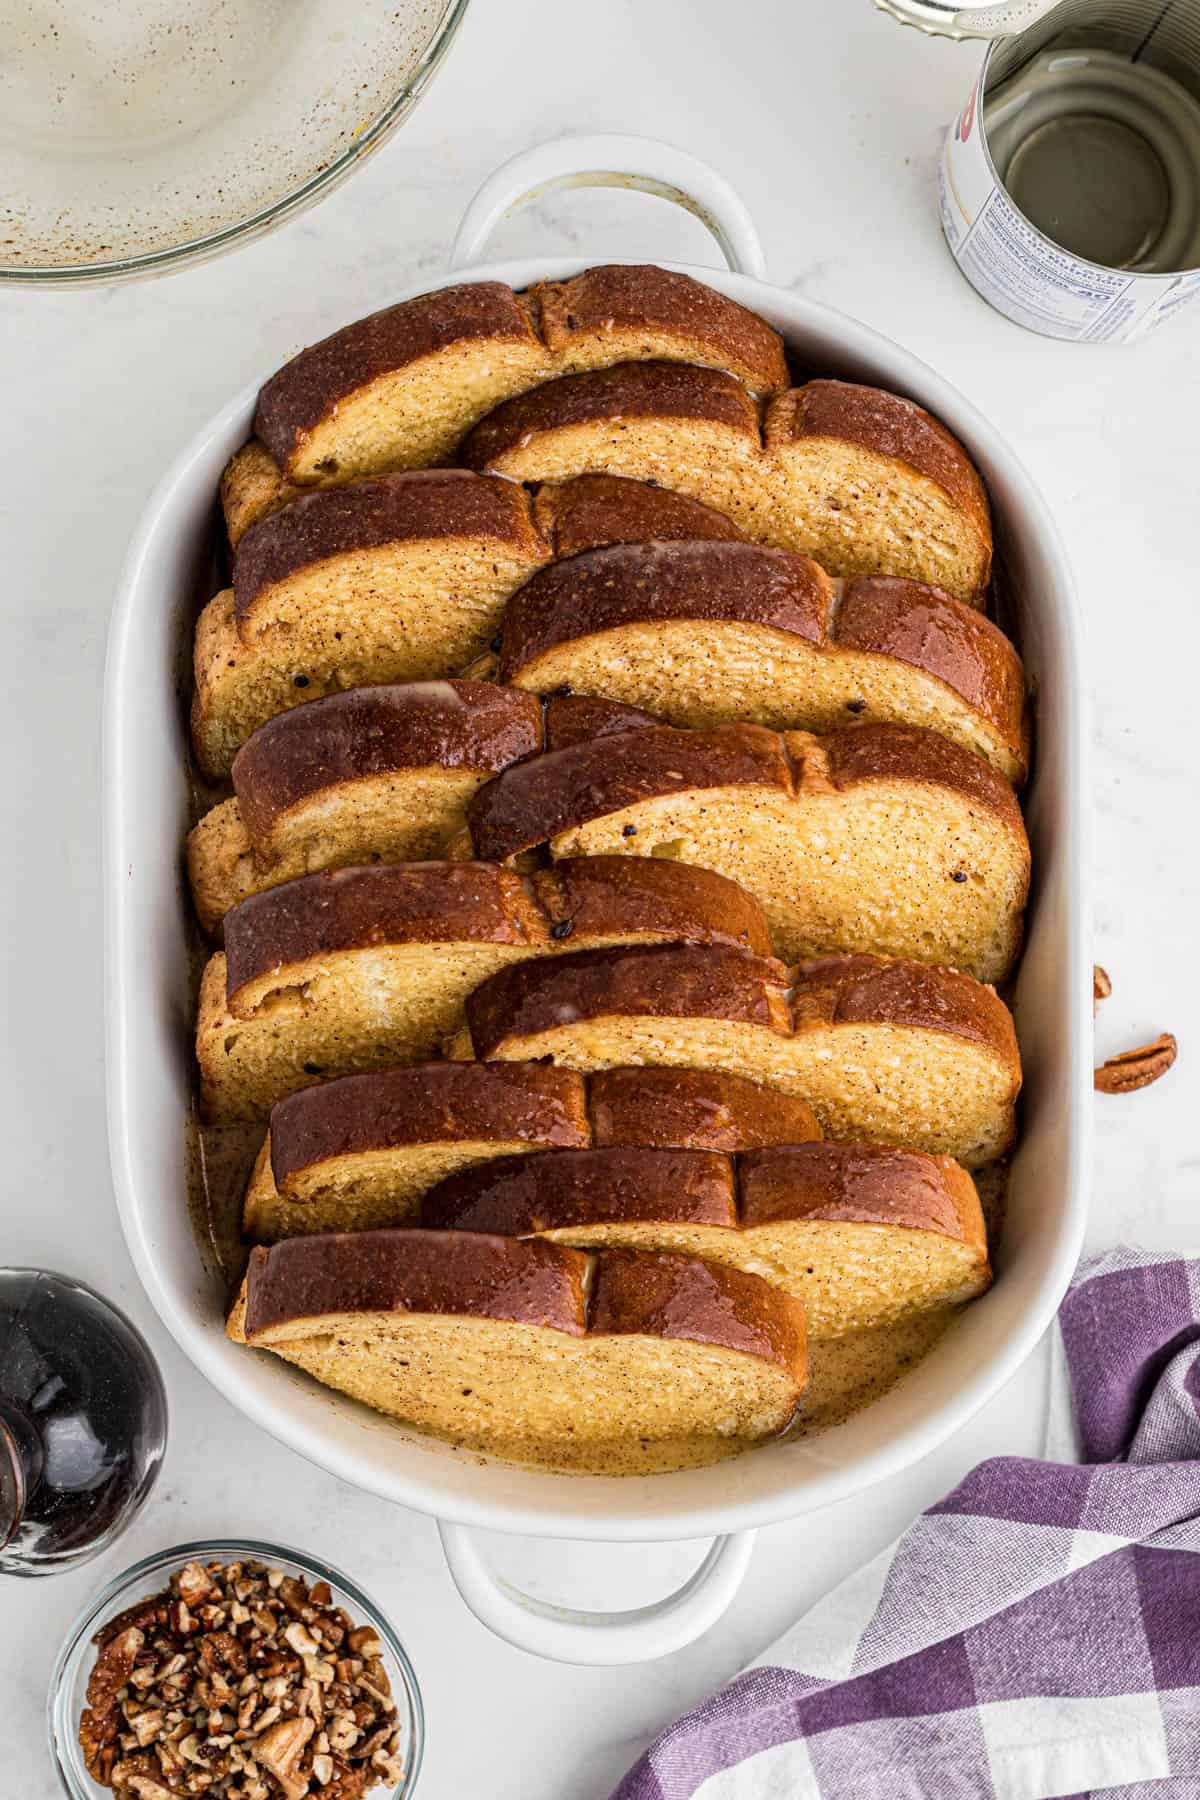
<point x="827" y="117"/>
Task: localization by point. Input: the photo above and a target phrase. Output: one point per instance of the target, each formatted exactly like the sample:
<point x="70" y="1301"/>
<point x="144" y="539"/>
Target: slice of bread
<point x="358" y="1154"/>
<point x="358" y="969"/>
<point x="865" y="481"/>
<point x="397" y="390"/>
<point x="373" y="774"/>
<point x="397" y="578"/>
<point x="887" y="1051"/>
<point x="711" y="633"/>
<point x="882" y="838"/>
<point x="863" y="1234"/>
<point x="620" y="1363"/>
<point x="379" y="774"/>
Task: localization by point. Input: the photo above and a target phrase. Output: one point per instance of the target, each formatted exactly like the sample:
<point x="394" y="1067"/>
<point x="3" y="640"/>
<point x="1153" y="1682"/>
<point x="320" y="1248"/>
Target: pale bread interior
<point x="411" y="815"/>
<point x="413" y="611"/>
<point x="412" y="417"/>
<point x="850" y="1276"/>
<point x="871" y="868"/>
<point x="701" y="673"/>
<point x="881" y="1084"/>
<point x="368" y="1190"/>
<point x="620" y="1405"/>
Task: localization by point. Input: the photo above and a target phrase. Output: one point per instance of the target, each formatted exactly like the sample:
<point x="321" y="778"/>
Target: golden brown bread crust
<point x="345" y="909"/>
<point x="683" y="982"/>
<point x="890" y="426"/>
<point x="908" y="753"/>
<point x="539" y="1104"/>
<point x="668" y="982"/>
<point x="415" y="1271"/>
<point x="531" y="1103"/>
<point x="629" y="584"/>
<point x="619" y="296"/>
<point x="480" y="903"/>
<point x="931" y="630"/>
<point x="658" y="1294"/>
<point x="532" y="802"/>
<point x="372" y="731"/>
<point x="626" y="391"/>
<point x="871" y="1184"/>
<point x="572" y="718"/>
<point x="523" y="1281"/>
<point x="567" y="787"/>
<point x="589" y="896"/>
<point x="694" y="1109"/>
<point x="520" y="1195"/>
<point x="782" y="590"/>
<point x="383" y="509"/>
<point x="308" y="388"/>
<point x="578" y="515"/>
<point x="848" y="990"/>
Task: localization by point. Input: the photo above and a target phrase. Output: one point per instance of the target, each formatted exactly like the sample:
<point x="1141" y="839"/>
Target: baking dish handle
<point x="609" y="160"/>
<point x="565" y="1634"/>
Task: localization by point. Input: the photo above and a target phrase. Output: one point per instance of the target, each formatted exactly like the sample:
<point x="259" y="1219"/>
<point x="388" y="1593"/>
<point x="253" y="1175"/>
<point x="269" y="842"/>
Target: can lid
<point x="967" y="18"/>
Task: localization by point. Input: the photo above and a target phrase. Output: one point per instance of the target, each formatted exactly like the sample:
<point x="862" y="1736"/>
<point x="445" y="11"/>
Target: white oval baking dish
<point x="149" y="1028"/>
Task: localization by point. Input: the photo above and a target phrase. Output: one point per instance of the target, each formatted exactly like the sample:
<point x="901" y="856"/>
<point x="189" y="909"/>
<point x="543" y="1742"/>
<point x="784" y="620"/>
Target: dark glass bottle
<point x="83" y="1422"/>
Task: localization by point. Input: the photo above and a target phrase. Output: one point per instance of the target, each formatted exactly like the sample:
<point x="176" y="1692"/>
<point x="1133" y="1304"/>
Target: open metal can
<point x="1070" y="182"/>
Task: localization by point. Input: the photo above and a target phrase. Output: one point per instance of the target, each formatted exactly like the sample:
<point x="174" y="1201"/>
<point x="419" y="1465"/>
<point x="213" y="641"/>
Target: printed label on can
<point x="1023" y="274"/>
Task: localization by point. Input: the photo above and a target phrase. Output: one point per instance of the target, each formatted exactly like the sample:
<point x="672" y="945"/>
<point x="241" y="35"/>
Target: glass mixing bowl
<point x="68" y="1684"/>
<point x="137" y="137"/>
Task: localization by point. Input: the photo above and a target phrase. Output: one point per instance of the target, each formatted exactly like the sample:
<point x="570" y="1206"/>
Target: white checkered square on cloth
<point x="1036" y="1633"/>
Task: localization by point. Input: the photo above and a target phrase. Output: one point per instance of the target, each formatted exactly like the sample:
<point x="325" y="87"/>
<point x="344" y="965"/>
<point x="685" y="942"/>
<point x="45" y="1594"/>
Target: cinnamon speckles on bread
<point x="710" y="633"/>
<point x="883" y="1051"/>
<point x="881" y="838"/>
<point x="359" y="969"/>
<point x="359" y="1153"/>
<point x="864" y="481"/>
<point x="863" y="1234"/>
<point x="398" y="390"/>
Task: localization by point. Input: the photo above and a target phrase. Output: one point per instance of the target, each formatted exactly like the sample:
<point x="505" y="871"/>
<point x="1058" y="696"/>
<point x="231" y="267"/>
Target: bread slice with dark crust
<point x="865" y="481"/>
<point x="357" y="1154"/>
<point x="621" y="1363"/>
<point x="397" y="390"/>
<point x="402" y="577"/>
<point x="862" y="1234"/>
<point x="359" y="969"/>
<point x="380" y="774"/>
<point x="373" y="774"/>
<point x="578" y="515"/>
<point x="883" y="838"/>
<point x="706" y="634"/>
<point x="882" y="1050"/>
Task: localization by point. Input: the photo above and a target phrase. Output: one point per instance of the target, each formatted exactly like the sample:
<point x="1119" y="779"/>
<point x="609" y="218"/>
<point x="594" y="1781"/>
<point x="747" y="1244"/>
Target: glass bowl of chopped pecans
<point x="237" y="1671"/>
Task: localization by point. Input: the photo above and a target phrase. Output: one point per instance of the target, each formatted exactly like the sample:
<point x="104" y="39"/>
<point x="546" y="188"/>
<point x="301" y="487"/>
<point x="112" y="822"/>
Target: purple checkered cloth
<point x="1036" y="1633"/>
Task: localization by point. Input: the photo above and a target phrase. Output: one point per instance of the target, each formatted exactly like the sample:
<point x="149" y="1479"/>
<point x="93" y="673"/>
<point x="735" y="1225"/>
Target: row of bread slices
<point x="663" y="374"/>
<point x="401" y="576"/>
<point x="668" y="1324"/>
<point x="652" y="1101"/>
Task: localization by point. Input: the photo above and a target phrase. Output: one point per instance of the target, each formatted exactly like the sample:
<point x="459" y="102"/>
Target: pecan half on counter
<point x="241" y="1683"/>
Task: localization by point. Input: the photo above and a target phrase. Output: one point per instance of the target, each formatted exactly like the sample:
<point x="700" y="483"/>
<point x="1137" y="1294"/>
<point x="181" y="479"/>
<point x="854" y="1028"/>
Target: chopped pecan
<point x="1101" y="986"/>
<point x="1134" y="1069"/>
<point x="261" y="1708"/>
